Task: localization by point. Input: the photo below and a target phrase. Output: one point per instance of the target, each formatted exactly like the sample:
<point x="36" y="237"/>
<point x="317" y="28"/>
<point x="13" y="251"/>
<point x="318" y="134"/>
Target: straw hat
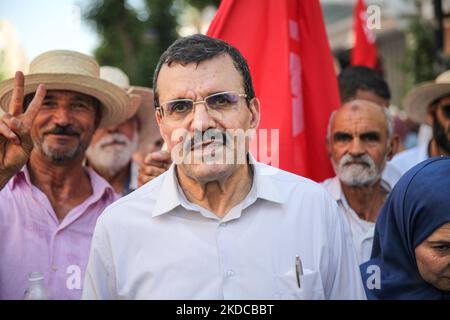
<point x="73" y="71"/>
<point x="418" y="99"/>
<point x="149" y="130"/>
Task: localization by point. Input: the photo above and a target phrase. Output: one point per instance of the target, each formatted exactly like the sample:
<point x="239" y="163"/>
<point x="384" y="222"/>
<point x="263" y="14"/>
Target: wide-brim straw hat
<point x="148" y="129"/>
<point x="73" y="71"/>
<point x="416" y="102"/>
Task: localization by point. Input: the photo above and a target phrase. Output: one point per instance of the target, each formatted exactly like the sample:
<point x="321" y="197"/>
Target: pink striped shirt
<point x="33" y="240"/>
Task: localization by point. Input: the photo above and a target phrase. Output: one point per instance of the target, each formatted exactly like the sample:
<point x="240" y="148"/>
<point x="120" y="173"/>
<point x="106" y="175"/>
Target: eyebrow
<point x="76" y="98"/>
<point x="371" y="135"/>
<point x="446" y="242"/>
<point x="342" y="135"/>
<point x="207" y="95"/>
<point x="49" y="97"/>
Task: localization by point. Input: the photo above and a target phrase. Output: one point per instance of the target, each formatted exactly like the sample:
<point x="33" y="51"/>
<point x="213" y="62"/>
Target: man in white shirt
<point x="359" y="142"/>
<point x="214" y="226"/>
<point x="428" y="103"/>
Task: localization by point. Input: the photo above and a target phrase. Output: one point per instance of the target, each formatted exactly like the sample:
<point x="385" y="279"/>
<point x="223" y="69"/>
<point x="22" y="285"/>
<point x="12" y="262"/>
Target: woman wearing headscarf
<point x="411" y="249"/>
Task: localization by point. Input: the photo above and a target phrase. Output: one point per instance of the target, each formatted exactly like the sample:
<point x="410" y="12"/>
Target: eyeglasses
<point x="218" y="104"/>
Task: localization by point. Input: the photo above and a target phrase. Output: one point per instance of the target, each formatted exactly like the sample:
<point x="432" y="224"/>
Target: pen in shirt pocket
<point x="298" y="270"/>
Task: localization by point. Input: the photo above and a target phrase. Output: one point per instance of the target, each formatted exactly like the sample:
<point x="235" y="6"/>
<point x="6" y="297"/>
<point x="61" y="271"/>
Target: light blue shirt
<point x="407" y="159"/>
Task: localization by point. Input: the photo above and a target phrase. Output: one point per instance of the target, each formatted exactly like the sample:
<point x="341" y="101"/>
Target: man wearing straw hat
<point x="428" y="103"/>
<point x="112" y="148"/>
<point x="49" y="201"/>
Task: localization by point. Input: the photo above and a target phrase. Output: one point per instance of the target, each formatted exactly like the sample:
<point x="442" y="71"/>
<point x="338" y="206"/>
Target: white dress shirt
<point x="155" y="244"/>
<point x="407" y="159"/>
<point x="362" y="231"/>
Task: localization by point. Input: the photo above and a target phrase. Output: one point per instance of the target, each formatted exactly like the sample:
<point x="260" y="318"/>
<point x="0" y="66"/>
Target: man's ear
<point x="393" y="147"/>
<point x="430" y="119"/>
<point x="158" y="117"/>
<point x="328" y="145"/>
<point x="254" y="108"/>
<point x="430" y="114"/>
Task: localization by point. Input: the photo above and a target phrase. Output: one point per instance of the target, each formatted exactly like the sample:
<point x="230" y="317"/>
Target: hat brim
<point x="417" y="100"/>
<point x="116" y="106"/>
<point x="149" y="129"/>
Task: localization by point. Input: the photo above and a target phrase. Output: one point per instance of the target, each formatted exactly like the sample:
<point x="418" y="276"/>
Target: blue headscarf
<point x="417" y="206"/>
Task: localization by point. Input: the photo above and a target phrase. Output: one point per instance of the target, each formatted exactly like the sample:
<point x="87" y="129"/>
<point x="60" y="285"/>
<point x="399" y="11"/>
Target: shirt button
<point x="54" y="268"/>
<point x="230" y="273"/>
<point x="223" y="225"/>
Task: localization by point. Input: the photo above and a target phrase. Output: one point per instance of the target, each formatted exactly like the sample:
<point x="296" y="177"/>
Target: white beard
<point x="109" y="160"/>
<point x="362" y="174"/>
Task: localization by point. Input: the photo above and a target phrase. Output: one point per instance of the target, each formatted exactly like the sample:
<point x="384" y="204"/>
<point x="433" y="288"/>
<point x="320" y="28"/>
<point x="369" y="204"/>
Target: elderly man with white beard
<point x="359" y="143"/>
<point x="110" y="154"/>
<point x="113" y="149"/>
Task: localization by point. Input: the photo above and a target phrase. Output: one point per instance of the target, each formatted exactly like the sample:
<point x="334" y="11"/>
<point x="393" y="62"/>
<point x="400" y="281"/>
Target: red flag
<point x="364" y="51"/>
<point x="286" y="46"/>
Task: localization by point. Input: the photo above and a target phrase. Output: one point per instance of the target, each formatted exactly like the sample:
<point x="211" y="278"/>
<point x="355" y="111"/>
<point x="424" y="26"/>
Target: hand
<point x="154" y="164"/>
<point x="15" y="126"/>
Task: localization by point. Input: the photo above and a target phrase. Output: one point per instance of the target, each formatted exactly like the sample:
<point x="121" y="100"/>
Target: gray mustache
<point x="209" y="135"/>
<point x="364" y="159"/>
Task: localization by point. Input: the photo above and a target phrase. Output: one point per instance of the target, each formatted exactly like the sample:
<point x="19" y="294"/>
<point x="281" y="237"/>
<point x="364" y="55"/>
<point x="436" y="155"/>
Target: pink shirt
<point x="33" y="240"/>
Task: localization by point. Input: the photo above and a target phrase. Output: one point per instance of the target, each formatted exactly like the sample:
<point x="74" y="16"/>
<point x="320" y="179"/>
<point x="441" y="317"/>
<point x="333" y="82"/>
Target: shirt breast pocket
<point x="311" y="287"/>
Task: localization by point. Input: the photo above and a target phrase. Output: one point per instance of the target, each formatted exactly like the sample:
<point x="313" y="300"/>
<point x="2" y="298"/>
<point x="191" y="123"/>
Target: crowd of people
<point x="93" y="201"/>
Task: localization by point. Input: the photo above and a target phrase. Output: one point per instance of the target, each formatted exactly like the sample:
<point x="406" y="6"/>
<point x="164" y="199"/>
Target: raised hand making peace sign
<point x="15" y="139"/>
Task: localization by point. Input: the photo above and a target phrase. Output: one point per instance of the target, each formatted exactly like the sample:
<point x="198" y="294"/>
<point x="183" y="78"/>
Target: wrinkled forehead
<point x="360" y="116"/>
<point x="66" y="94"/>
<point x="63" y="94"/>
<point x="215" y="73"/>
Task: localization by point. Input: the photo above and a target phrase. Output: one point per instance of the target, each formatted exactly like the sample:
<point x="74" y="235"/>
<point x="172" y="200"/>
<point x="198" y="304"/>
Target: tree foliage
<point x="420" y="56"/>
<point x="133" y="41"/>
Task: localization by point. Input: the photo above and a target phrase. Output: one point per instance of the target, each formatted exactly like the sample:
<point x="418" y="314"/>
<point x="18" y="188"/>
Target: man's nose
<point x="356" y="148"/>
<point x="62" y="117"/>
<point x="112" y="129"/>
<point x="202" y="120"/>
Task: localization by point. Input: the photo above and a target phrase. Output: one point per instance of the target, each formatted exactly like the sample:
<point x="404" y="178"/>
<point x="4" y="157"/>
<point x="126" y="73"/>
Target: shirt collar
<point x="168" y="197"/>
<point x="334" y="188"/>
<point x="171" y="194"/>
<point x="264" y="179"/>
<point x="22" y="176"/>
<point x="99" y="185"/>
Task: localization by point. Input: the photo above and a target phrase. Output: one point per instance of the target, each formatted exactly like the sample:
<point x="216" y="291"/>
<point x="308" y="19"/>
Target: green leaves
<point x="133" y="38"/>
